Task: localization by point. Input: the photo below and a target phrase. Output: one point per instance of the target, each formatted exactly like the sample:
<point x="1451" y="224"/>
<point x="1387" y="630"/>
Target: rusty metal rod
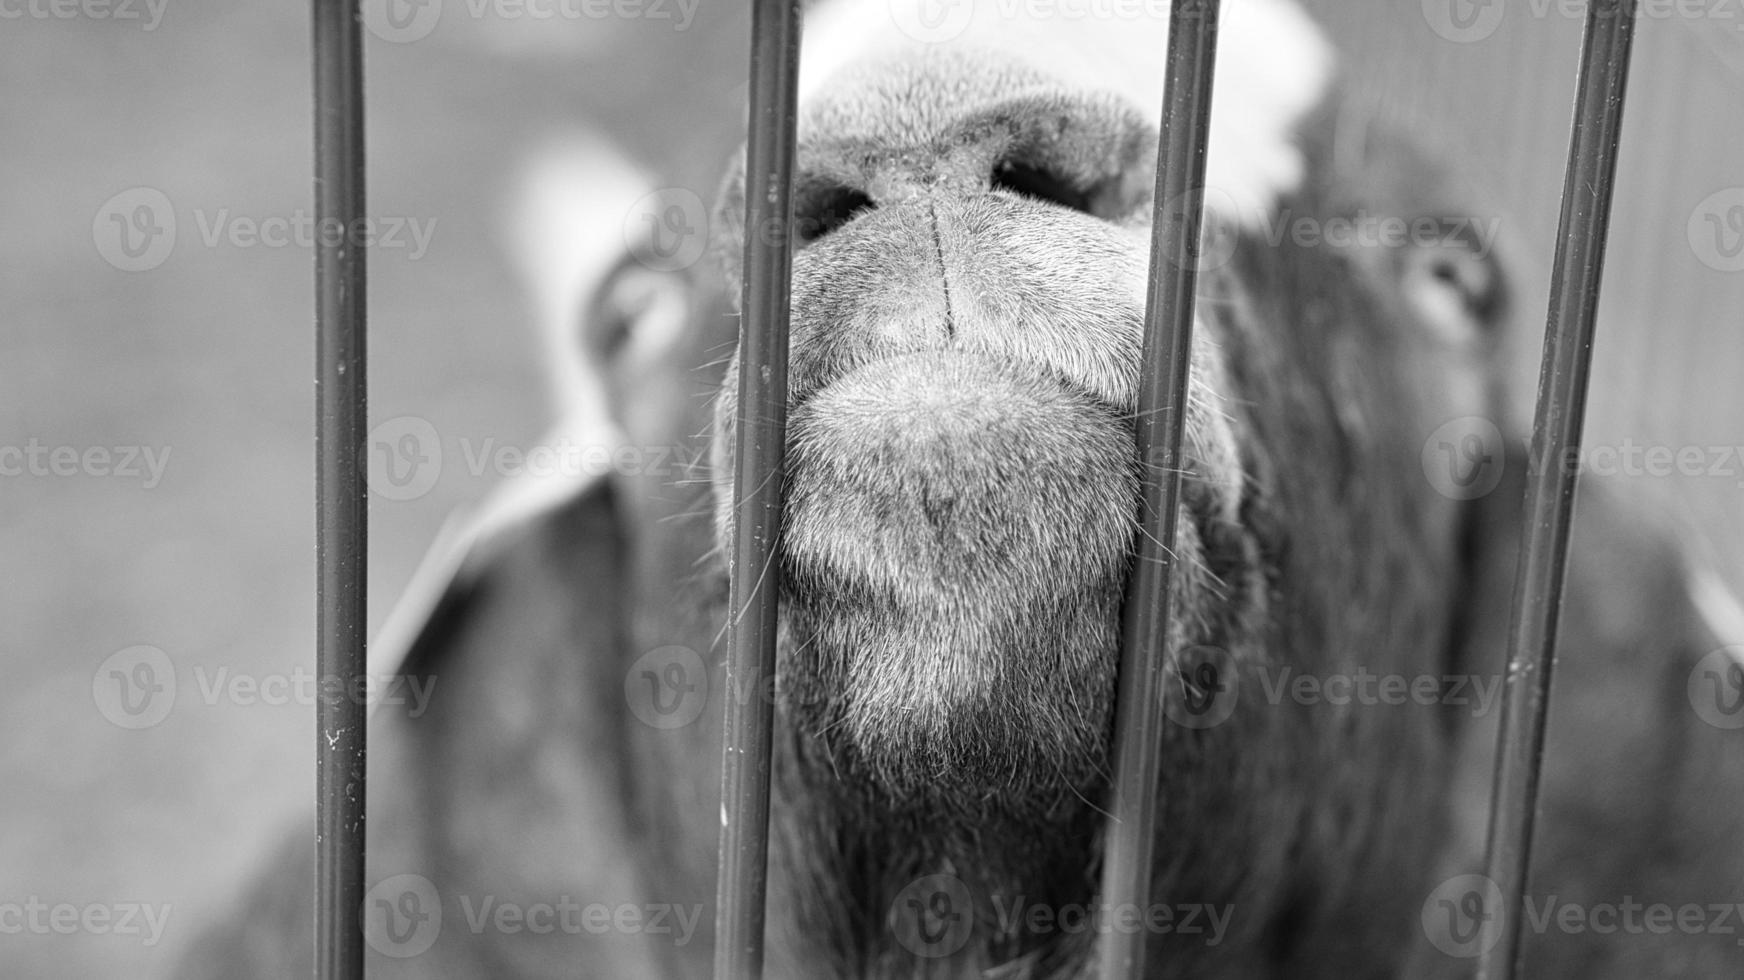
<point x="341" y="504"/>
<point x="1161" y="418"/>
<point x="1549" y="507"/>
<point x="761" y="438"/>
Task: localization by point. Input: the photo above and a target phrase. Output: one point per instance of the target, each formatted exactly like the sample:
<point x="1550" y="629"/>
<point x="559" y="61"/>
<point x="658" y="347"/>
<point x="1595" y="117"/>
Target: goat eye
<point x="1471" y="277"/>
<point x="1456" y="288"/>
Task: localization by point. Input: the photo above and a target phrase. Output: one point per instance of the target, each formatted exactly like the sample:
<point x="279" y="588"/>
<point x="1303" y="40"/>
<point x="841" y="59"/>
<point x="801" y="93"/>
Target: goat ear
<point x="1645" y="739"/>
<point x="515" y="615"/>
<point x="625" y="314"/>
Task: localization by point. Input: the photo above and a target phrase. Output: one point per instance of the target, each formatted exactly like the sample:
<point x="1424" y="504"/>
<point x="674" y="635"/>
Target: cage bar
<point x="341" y="504"/>
<point x="1161" y="418"/>
<point x="761" y="442"/>
<point x="1549" y="506"/>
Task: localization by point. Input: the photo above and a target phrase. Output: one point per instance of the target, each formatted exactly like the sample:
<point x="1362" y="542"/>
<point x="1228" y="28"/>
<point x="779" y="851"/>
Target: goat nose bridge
<point x="908" y="306"/>
<point x="908" y="177"/>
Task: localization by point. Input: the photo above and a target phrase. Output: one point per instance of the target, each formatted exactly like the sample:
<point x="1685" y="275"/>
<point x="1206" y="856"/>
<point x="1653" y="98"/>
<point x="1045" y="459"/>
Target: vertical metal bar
<point x="1162" y="399"/>
<point x="341" y="505"/>
<point x="757" y="488"/>
<point x="1549" y="507"/>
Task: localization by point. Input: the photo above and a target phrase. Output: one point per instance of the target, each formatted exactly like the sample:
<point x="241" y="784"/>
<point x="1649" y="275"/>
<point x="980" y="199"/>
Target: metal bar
<point x="1549" y="507"/>
<point x="1161" y="418"/>
<point x="341" y="504"/>
<point x="757" y="490"/>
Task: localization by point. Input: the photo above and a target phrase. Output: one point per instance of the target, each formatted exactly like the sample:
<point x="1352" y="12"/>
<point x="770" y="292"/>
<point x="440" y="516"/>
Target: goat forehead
<point x="1273" y="67"/>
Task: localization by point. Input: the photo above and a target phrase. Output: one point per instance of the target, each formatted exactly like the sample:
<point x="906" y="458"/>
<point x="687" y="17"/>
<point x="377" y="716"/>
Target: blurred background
<point x="157" y="388"/>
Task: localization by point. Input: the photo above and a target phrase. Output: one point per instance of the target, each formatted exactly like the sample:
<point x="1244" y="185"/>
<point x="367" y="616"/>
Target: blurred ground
<point x="206" y="359"/>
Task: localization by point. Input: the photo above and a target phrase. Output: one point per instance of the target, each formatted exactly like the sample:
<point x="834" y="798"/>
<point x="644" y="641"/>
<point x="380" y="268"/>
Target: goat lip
<point x="945" y="473"/>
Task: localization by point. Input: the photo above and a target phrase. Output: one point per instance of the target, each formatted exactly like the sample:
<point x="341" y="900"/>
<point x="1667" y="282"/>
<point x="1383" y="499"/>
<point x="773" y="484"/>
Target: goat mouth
<point x="946" y="472"/>
<point x="955" y="547"/>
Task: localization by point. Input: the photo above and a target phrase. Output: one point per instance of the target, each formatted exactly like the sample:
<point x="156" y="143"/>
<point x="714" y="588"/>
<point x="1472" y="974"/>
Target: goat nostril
<point x="1042" y="185"/>
<point x="822" y="210"/>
